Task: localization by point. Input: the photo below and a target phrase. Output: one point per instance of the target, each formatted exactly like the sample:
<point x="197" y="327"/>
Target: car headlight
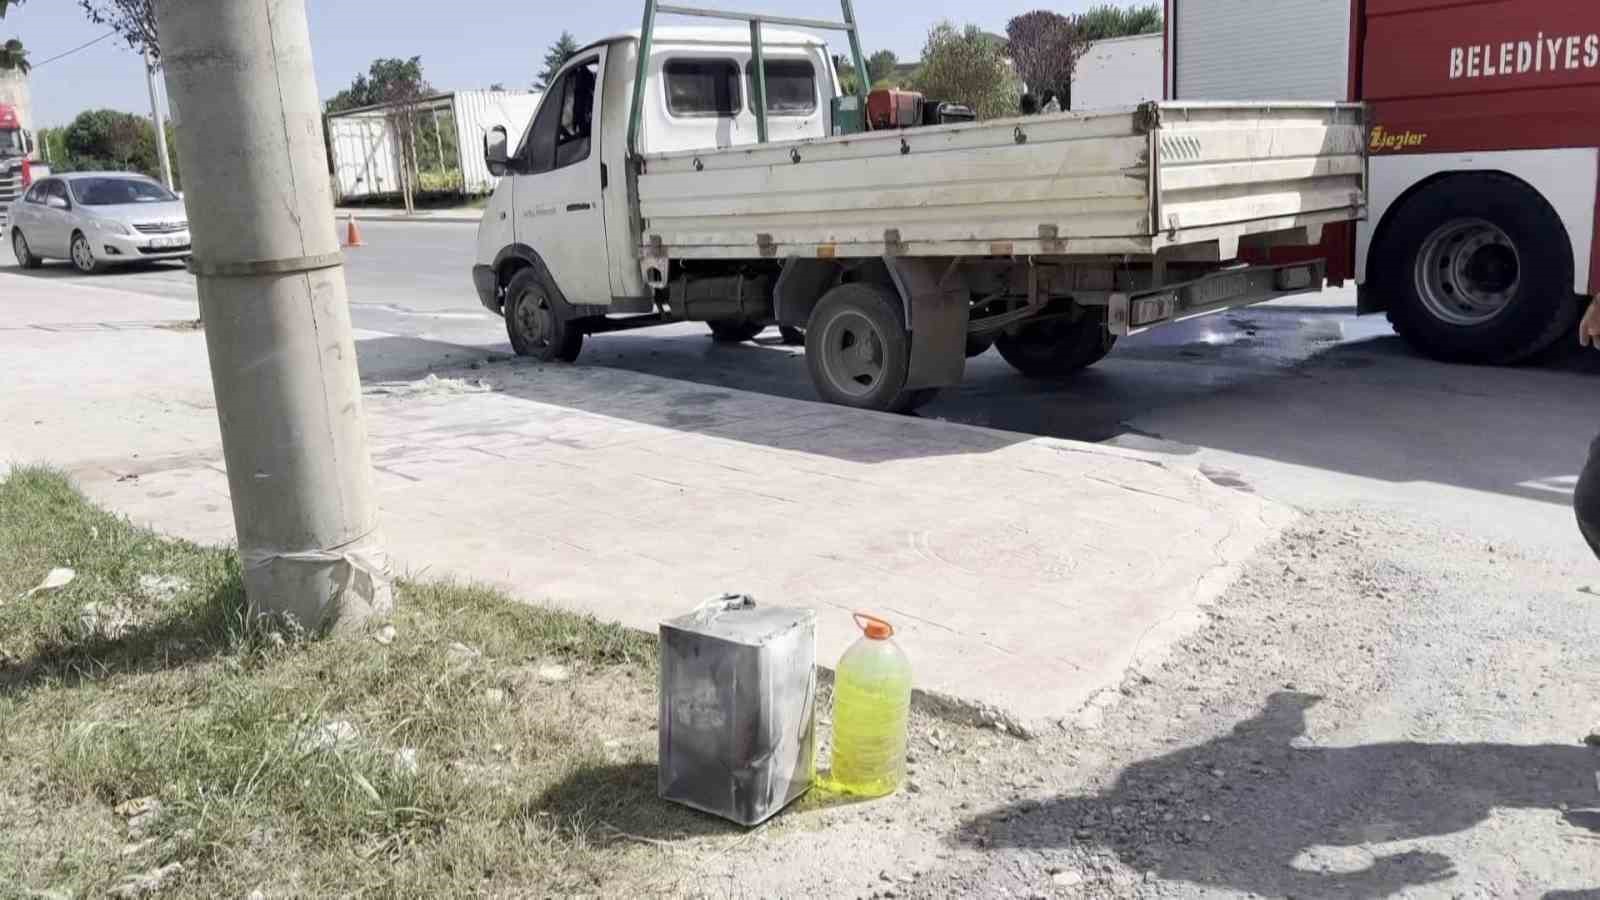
<point x="111" y="227"/>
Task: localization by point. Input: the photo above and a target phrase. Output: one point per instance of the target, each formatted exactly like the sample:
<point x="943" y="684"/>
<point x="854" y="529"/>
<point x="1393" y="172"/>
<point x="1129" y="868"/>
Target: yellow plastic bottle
<point x="871" y="703"/>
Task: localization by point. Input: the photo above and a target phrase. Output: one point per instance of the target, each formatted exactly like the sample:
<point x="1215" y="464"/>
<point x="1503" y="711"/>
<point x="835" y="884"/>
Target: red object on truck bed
<point x="894" y="108"/>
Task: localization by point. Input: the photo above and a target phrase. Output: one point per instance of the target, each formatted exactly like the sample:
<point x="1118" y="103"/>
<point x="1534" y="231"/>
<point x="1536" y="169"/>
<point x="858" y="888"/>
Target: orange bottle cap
<point x="874" y="627"/>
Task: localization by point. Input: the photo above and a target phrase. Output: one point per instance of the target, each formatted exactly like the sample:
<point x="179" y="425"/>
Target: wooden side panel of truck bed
<point x="1075" y="183"/>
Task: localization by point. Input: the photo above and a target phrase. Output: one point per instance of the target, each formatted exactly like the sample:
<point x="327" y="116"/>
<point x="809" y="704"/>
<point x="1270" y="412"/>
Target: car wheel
<point x="1057" y="347"/>
<point x="858" y="350"/>
<point x="538" y="321"/>
<point x="23" y="253"/>
<point x="83" y="255"/>
<point x="1478" y="269"/>
<point x="735" y="331"/>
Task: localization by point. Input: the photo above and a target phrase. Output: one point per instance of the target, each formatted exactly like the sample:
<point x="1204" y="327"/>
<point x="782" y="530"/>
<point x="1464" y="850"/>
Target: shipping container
<point x="1118" y="72"/>
<point x="450" y="128"/>
<point x="1479" y="239"/>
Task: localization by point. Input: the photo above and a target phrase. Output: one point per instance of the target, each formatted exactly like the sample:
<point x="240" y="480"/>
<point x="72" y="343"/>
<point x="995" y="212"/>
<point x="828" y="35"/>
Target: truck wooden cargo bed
<point x="1128" y="182"/>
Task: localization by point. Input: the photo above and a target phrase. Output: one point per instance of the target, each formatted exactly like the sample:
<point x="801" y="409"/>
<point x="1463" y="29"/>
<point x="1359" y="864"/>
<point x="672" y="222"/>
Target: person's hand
<point x="1589" y="328"/>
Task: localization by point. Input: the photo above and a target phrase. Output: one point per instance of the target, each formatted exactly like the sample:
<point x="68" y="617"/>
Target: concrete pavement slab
<point x="1024" y="574"/>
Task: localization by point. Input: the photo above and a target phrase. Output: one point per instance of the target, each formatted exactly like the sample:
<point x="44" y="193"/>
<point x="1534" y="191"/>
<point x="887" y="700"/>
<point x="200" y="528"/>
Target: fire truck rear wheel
<point x="1477" y="268"/>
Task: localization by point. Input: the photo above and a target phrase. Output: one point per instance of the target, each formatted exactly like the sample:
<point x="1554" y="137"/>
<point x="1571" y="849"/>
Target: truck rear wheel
<point x="735" y="331"/>
<point x="1057" y="347"/>
<point x="1478" y="268"/>
<point x="538" y="320"/>
<point x="858" y="350"/>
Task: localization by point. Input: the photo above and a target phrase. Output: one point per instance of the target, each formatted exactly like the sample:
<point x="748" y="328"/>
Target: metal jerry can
<point x="738" y="695"/>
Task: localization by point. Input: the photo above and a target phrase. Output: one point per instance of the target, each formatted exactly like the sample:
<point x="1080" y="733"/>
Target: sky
<point x="488" y="41"/>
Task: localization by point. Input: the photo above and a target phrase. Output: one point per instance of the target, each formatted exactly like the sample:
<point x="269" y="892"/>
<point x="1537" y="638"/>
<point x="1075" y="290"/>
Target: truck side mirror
<point x="494" y="151"/>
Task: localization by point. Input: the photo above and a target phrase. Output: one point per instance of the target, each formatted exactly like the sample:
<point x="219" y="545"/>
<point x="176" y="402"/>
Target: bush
<point x="968" y="66"/>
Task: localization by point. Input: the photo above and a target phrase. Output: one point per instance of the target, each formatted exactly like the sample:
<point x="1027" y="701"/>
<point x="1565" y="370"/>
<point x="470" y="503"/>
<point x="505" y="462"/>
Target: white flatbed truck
<point x="711" y="174"/>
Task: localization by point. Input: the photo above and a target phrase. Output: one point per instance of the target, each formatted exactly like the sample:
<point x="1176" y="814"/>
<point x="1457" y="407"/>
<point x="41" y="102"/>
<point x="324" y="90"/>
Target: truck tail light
<point x="27" y="172"/>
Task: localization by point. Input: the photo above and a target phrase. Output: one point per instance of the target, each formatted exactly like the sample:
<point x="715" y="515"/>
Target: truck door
<point x="558" y="185"/>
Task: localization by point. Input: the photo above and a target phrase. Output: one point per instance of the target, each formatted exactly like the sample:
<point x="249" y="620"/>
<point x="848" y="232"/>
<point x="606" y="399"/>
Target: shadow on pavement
<point x="693" y="408"/>
<point x="62" y="271"/>
<point x="1253" y="812"/>
<point x="397" y="358"/>
<point x="1300" y="386"/>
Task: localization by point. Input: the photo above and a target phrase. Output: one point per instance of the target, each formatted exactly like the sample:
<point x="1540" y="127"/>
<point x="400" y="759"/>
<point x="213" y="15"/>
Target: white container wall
<point x="1118" y="72"/>
<point x="366" y="160"/>
<point x="476" y="113"/>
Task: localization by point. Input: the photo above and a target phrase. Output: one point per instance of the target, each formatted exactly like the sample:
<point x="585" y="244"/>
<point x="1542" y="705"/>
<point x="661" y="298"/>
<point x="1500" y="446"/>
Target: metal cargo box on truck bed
<point x="1131" y="181"/>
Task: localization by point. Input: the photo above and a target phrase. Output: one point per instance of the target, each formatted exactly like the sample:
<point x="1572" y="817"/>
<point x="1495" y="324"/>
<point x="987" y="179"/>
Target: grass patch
<point x="481" y="747"/>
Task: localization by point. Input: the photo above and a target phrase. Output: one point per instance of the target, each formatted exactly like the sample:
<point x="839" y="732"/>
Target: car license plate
<point x="162" y="243"/>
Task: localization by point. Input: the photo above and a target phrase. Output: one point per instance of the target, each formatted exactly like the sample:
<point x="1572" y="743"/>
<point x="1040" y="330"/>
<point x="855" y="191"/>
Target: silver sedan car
<point x="98" y="219"/>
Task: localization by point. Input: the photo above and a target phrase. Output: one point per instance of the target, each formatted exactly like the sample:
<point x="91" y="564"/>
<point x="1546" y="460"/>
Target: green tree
<point x="106" y="140"/>
<point x="562" y="50"/>
<point x="967" y="66"/>
<point x="1110" y="21"/>
<point x="13" y="57"/>
<point x="880" y="65"/>
<point x="387" y="80"/>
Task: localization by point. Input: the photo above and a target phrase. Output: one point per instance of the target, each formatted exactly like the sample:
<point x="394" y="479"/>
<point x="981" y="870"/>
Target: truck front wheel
<point x="538" y="320"/>
<point x="1057" y="347"/>
<point x="1478" y="269"/>
<point x="858" y="350"/>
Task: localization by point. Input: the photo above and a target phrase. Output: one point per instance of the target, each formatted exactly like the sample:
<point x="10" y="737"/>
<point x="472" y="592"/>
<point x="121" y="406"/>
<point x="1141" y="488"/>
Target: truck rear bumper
<point x="1132" y="313"/>
<point x="488" y="285"/>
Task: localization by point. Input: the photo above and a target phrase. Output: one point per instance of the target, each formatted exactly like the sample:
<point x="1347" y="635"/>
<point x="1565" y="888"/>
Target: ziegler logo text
<point x="1392" y="140"/>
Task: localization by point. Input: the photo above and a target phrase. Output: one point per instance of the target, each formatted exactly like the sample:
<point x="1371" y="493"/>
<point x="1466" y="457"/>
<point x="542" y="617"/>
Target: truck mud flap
<point x="937" y="306"/>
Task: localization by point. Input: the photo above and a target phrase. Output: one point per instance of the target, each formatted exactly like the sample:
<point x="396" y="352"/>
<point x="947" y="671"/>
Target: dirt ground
<point x="1376" y="708"/>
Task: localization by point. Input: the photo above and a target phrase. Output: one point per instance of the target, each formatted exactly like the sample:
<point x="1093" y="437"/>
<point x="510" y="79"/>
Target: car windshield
<point x="10" y="141"/>
<point x="118" y="191"/>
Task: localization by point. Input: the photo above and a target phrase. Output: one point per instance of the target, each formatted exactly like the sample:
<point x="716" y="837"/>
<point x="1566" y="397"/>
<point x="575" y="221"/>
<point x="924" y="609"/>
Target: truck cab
<point x="553" y="210"/>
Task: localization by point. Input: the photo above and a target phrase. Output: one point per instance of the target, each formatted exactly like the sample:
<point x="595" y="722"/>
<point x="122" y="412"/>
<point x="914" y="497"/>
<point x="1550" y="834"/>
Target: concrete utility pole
<point x="273" y="302"/>
<point x="161" y="126"/>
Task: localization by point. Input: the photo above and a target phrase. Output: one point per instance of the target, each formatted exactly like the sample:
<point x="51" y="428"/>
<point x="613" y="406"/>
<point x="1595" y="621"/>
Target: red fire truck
<point x="16" y="165"/>
<point x="1480" y="239"/>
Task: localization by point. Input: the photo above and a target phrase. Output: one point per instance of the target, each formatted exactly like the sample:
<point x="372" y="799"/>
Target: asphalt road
<point x="1301" y="400"/>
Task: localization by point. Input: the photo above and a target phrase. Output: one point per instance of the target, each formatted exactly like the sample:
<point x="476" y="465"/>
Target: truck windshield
<point x="118" y="191"/>
<point x="10" y="142"/>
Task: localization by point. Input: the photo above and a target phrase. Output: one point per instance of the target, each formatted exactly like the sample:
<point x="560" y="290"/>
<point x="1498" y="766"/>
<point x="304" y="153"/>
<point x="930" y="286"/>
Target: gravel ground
<point x="1376" y="708"/>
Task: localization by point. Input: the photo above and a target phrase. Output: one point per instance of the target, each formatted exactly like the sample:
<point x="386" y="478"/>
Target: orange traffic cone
<point x="352" y="237"/>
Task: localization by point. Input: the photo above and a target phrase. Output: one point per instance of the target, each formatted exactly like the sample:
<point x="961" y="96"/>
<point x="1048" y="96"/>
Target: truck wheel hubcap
<point x="534" y="319"/>
<point x="1468" y="272"/>
<point x="853" y="354"/>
